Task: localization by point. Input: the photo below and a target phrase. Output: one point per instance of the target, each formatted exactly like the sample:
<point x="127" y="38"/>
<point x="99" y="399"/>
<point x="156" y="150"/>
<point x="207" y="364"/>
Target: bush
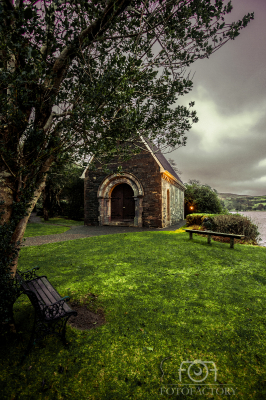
<point x="207" y="224"/>
<point x="235" y="224"/>
<point x="197" y="218"/>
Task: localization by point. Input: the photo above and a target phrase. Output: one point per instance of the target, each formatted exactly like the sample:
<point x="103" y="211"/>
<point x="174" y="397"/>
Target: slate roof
<point x="158" y="154"/>
<point x="161" y="158"/>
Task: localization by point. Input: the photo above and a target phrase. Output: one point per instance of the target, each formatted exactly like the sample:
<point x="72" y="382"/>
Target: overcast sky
<point x="226" y="149"/>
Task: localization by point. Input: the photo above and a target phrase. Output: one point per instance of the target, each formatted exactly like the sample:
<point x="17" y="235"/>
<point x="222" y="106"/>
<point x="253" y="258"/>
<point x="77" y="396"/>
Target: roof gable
<point x="157" y="154"/>
<point x="160" y="157"/>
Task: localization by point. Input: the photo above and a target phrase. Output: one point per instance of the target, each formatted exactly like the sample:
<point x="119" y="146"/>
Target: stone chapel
<point x="148" y="193"/>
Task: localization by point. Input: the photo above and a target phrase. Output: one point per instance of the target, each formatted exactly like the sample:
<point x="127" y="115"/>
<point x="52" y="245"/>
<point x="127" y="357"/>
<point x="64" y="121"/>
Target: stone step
<point x="120" y="223"/>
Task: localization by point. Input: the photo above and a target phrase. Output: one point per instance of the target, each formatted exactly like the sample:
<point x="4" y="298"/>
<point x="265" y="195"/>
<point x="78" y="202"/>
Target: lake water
<point x="258" y="218"/>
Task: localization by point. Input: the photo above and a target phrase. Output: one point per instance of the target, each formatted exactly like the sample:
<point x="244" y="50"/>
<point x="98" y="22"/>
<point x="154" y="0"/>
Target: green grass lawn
<point x="167" y="300"/>
<point x="35" y="229"/>
<point x="63" y="221"/>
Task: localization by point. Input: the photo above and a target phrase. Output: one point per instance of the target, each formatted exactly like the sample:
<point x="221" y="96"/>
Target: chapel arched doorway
<point x="122" y="203"/>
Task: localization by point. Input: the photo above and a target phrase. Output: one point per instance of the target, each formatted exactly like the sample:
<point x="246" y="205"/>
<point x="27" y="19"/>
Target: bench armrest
<point x="66" y="298"/>
<point x="56" y="309"/>
<point x="28" y="275"/>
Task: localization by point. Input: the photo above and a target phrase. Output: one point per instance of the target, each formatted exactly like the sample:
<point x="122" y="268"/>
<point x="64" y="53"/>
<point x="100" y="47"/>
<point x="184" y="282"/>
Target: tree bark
<point x="6" y="195"/>
<point x="10" y="194"/>
<point x="21" y="226"/>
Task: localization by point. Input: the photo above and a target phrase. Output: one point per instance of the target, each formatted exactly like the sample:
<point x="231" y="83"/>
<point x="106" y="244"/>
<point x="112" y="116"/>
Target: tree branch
<point x="12" y="173"/>
<point x="90" y="33"/>
<point x="64" y="114"/>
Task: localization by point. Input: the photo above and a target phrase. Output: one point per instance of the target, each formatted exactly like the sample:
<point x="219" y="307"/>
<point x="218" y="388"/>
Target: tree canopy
<point x="81" y="75"/>
<point x="202" y="199"/>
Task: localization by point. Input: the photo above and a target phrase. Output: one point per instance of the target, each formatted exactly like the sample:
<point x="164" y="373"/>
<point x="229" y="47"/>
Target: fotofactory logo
<point x="196" y="371"/>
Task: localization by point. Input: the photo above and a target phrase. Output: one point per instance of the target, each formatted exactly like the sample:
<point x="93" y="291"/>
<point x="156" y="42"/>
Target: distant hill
<point x="243" y="202"/>
<point x="232" y="195"/>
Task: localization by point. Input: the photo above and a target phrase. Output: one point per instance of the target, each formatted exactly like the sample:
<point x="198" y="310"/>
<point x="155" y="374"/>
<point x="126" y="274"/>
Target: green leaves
<point x="202" y="197"/>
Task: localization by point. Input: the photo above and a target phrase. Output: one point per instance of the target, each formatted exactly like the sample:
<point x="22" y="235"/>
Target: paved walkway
<point x="79" y="232"/>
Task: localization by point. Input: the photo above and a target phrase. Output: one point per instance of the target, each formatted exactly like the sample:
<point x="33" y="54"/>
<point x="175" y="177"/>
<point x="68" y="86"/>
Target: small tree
<point x="73" y="193"/>
<point x="173" y="164"/>
<point x="202" y="199"/>
<point x="51" y="193"/>
<point x="62" y="182"/>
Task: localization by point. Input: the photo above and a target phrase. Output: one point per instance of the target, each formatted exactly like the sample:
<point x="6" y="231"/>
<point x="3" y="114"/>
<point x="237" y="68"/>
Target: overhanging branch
<point x="98" y="27"/>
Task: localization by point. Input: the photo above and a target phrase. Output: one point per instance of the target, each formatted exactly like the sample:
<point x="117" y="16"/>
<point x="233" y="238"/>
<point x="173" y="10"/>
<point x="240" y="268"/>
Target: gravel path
<point x="79" y="232"/>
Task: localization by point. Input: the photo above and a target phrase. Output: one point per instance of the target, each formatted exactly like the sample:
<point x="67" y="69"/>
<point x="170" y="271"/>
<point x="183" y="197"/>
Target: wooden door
<point x="122" y="202"/>
<point x="128" y="202"/>
<point x="117" y="203"/>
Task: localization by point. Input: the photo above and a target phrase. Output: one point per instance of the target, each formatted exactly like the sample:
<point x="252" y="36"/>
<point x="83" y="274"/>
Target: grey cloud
<point x="234" y="81"/>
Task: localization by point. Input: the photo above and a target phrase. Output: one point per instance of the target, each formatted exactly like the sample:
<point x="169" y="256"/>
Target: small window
<point x="168" y="205"/>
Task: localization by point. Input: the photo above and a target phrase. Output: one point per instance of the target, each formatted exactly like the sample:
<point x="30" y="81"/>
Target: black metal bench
<point x="210" y="234"/>
<point x="51" y="310"/>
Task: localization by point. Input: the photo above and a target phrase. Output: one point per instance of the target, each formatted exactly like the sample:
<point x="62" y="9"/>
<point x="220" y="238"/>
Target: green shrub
<point x="235" y="224"/>
<point x="197" y="218"/>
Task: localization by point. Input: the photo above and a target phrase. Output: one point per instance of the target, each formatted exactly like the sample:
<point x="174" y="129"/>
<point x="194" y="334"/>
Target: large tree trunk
<point x="10" y="194"/>
<point x="6" y="195"/>
<point x="21" y="226"/>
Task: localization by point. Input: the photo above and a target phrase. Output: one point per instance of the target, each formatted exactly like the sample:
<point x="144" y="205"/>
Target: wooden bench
<point x="51" y="310"/>
<point x="210" y="234"/>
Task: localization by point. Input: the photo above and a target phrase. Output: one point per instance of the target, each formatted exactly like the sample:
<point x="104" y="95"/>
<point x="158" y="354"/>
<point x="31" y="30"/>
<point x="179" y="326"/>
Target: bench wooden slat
<point x="45" y="290"/>
<point x="42" y="291"/>
<point x="50" y="290"/>
<point x="215" y="233"/>
<point x="211" y="233"/>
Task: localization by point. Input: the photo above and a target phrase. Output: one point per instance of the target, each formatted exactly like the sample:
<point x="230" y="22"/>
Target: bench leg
<point x="231" y="243"/>
<point x="209" y="239"/>
<point x="31" y="343"/>
<point x="41" y="330"/>
<point x="61" y="329"/>
<point x="190" y="235"/>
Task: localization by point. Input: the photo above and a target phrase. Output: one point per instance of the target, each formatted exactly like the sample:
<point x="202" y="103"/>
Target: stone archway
<point x="105" y="195"/>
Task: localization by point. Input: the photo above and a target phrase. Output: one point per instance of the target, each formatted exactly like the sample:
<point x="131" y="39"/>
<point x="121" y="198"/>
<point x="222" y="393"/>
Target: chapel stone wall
<point x="175" y="202"/>
<point x="145" y="168"/>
